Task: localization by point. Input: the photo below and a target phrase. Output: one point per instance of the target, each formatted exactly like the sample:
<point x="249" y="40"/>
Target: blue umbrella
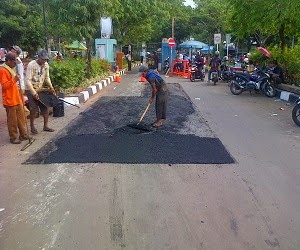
<point x="193" y="44"/>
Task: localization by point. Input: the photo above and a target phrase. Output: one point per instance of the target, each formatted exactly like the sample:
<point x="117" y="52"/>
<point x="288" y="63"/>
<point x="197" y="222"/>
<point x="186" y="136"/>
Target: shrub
<point x="289" y="60"/>
<point x="69" y="74"/>
<point x="99" y="67"/>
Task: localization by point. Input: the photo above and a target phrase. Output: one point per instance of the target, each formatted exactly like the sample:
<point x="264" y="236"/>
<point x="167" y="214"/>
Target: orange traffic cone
<point x="117" y="77"/>
<point x="143" y="79"/>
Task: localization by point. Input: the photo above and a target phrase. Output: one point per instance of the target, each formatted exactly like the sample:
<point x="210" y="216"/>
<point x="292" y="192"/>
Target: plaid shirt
<point x="37" y="77"/>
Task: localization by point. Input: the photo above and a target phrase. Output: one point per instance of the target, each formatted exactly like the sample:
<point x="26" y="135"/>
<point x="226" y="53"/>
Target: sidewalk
<point x="79" y="98"/>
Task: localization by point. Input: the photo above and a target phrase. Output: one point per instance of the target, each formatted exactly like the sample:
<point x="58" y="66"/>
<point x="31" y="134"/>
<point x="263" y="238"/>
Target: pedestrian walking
<point x="12" y="101"/>
<point x="38" y="80"/>
<point x="142" y="55"/>
<point x="156" y="60"/>
<point x="159" y="91"/>
<point x="128" y="57"/>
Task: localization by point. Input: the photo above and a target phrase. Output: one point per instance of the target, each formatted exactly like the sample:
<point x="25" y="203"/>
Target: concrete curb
<point x="84" y="95"/>
<point x="287" y="96"/>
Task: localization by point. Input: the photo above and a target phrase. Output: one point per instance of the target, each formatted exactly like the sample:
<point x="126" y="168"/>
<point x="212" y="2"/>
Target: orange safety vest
<point x="10" y="91"/>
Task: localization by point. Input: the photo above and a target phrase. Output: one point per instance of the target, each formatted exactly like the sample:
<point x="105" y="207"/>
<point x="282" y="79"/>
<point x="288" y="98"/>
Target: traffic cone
<point x="117" y="77"/>
<point x="143" y="79"/>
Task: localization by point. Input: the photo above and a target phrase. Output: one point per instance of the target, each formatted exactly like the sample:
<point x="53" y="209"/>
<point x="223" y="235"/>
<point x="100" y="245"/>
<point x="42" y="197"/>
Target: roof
<point x="76" y="45"/>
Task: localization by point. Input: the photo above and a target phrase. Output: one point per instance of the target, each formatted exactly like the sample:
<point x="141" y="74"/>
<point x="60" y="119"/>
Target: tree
<point x="182" y="18"/>
<point x="32" y="37"/>
<point x="133" y="20"/>
<point x="81" y="17"/>
<point x="210" y="17"/>
<point x="267" y="21"/>
<point x="21" y="24"/>
<point x="12" y="22"/>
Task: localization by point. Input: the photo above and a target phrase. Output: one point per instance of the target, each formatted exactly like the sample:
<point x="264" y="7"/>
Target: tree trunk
<point x="89" y="58"/>
<point x="282" y="38"/>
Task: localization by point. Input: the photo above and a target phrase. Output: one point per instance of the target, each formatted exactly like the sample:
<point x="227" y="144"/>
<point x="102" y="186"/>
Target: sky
<point x="189" y="2"/>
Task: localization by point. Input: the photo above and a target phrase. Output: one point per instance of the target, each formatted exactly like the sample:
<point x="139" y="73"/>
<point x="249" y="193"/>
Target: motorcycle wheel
<point x="235" y="89"/>
<point x="269" y="90"/>
<point x="215" y="81"/>
<point x="296" y="114"/>
<point x="192" y="77"/>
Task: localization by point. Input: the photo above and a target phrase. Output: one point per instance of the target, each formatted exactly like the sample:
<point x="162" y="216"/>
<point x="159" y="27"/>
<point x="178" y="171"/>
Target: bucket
<point x="59" y="109"/>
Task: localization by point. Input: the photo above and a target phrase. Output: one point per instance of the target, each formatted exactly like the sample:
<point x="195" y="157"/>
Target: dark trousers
<point x="161" y="104"/>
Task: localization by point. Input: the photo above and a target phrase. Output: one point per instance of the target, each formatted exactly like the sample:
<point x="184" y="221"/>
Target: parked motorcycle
<point x="214" y="76"/>
<point x="225" y="73"/>
<point x="296" y="112"/>
<point x="258" y="81"/>
<point x="196" y="73"/>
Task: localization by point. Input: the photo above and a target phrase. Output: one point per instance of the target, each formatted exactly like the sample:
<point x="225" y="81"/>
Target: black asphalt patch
<point x="139" y="148"/>
<point x="101" y="135"/>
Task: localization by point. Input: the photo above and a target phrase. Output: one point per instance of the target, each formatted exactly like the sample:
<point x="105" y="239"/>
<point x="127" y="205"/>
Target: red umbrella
<point x="264" y="51"/>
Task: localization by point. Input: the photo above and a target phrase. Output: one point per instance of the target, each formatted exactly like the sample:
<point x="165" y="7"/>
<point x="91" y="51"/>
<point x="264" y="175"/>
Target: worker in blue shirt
<point x="159" y="90"/>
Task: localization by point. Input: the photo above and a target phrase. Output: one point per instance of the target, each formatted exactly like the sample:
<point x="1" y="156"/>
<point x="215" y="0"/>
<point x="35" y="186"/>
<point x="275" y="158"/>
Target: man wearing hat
<point x="12" y="100"/>
<point x="37" y="78"/>
<point x="159" y="90"/>
<point x="20" y="67"/>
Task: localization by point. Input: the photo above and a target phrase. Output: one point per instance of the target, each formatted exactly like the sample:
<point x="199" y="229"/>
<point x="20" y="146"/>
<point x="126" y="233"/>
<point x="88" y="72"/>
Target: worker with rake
<point x="159" y="90"/>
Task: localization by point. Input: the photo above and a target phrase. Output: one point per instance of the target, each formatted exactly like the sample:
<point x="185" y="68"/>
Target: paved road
<point x="250" y="204"/>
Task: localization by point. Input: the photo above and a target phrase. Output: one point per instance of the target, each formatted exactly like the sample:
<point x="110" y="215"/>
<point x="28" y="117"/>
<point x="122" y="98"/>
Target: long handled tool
<point x="138" y="125"/>
<point x="75" y="105"/>
<point x="142" y="117"/>
<point x="50" y="99"/>
<point x="30" y="139"/>
<point x="167" y="73"/>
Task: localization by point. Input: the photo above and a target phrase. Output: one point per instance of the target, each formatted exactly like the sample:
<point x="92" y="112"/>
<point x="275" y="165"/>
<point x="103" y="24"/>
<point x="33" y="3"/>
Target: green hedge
<point x="69" y="74"/>
<point x="289" y="60"/>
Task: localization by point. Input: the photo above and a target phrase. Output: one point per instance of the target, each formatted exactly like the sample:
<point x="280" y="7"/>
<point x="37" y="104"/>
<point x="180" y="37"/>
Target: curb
<point x="84" y="95"/>
<point x="287" y="96"/>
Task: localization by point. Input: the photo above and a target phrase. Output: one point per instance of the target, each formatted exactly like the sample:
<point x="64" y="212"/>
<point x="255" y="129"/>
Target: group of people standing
<point x="15" y="84"/>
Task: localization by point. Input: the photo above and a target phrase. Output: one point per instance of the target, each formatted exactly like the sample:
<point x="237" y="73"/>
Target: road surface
<point x="250" y="201"/>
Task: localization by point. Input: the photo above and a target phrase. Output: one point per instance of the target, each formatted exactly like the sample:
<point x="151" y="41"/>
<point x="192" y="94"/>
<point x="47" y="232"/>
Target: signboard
<point x="171" y="42"/>
<point x="106" y="27"/>
<point x="217" y="38"/>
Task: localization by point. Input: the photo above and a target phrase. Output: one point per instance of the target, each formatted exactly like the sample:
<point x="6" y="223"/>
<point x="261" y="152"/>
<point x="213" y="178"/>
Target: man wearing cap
<point x="159" y="89"/>
<point x="20" y="67"/>
<point x="12" y="100"/>
<point x="37" y="78"/>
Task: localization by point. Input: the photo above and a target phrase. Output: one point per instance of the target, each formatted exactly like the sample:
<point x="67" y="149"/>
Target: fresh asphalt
<point x="102" y="135"/>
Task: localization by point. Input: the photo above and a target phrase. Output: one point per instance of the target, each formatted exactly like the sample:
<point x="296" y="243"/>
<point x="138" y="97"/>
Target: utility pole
<point x="45" y="25"/>
<point x="173" y="27"/>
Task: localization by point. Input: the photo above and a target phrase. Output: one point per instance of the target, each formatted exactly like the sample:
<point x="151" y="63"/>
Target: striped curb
<point x="84" y="95"/>
<point x="287" y="96"/>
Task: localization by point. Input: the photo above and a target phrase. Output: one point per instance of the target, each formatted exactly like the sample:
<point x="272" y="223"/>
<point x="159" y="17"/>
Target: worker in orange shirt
<point x="12" y="101"/>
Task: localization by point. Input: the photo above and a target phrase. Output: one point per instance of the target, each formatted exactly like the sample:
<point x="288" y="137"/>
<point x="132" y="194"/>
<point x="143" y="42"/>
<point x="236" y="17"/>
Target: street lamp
<point x="45" y="26"/>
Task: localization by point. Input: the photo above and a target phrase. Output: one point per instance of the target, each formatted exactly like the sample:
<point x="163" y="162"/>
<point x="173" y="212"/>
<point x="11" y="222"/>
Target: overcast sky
<point x="189" y="2"/>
